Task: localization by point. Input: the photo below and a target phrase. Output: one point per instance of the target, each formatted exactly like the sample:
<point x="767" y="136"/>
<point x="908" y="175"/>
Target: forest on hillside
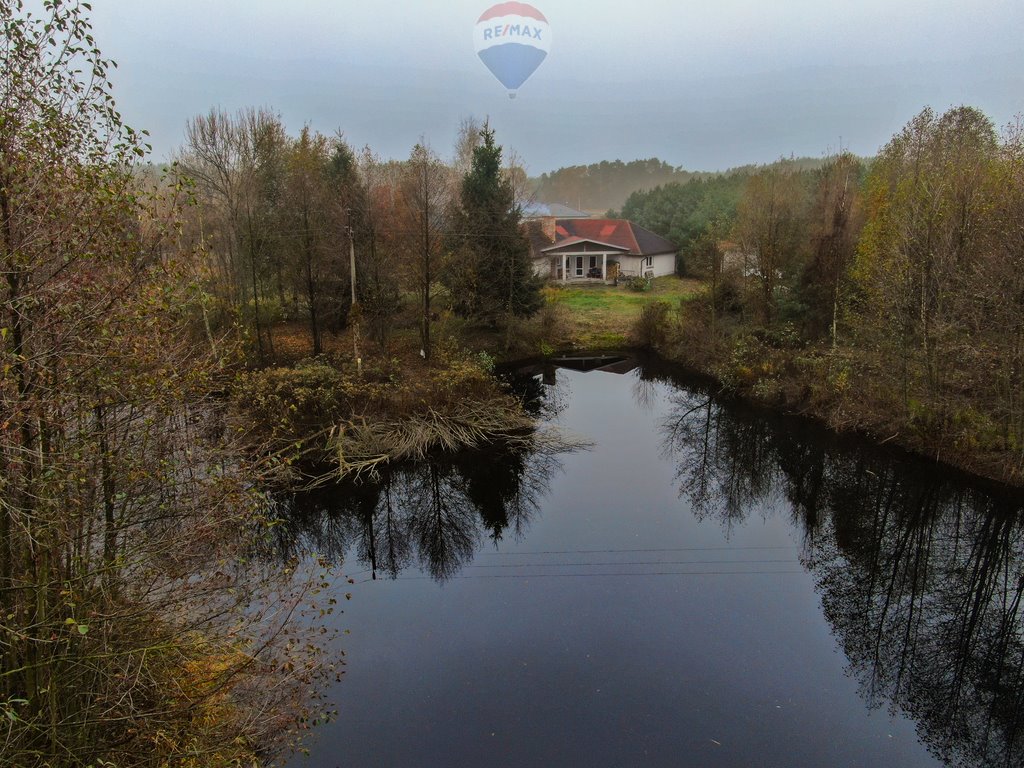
<point x="601" y="186"/>
<point x="607" y="185"/>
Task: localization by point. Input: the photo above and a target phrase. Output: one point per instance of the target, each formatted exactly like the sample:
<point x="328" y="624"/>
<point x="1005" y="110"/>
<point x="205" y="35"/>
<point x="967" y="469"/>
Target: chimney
<point x="548" y="228"/>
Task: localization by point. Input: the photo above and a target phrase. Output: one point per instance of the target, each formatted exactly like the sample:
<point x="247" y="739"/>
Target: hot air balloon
<point x="512" y="40"/>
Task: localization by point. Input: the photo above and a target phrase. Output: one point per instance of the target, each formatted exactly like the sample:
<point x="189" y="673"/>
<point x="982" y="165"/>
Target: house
<point x="598" y="249"/>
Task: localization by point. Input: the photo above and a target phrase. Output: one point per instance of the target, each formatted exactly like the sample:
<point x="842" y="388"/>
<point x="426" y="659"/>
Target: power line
<point x="635" y="551"/>
<point x="654" y="562"/>
<point x="626" y="563"/>
<point x="539" y="576"/>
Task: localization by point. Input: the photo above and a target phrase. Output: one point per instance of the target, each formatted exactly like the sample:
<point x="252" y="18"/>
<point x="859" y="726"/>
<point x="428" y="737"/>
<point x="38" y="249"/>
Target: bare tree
<point x="466" y="141"/>
<point x="425" y="193"/>
<point x="835" y="222"/>
<point x="237" y="165"/>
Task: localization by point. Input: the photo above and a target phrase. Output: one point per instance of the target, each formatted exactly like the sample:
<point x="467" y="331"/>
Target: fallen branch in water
<point x="365" y="445"/>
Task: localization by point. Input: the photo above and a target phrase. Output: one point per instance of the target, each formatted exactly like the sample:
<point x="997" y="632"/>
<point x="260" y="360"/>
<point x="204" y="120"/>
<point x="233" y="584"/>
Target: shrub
<point x="750" y="361"/>
<point x="553" y="324"/>
<point x="638" y="284"/>
<point x="485" y="361"/>
<point x="290" y="404"/>
<point x="697" y="341"/>
<point x="780" y="336"/>
<point x="651" y="328"/>
<point x="729" y="295"/>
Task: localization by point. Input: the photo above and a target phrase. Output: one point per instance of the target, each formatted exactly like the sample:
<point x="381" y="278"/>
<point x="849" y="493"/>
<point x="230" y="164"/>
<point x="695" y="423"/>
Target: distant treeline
<point x="683" y="211"/>
<point x="608" y="185"/>
<point x="605" y="185"/>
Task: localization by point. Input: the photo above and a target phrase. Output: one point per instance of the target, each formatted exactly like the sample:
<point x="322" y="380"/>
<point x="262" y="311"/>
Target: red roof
<point x="618" y="232"/>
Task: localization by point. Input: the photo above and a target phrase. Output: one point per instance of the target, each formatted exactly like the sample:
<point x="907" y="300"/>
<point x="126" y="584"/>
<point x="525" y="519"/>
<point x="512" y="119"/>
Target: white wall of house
<point x="664" y="264"/>
<point x="660" y="265"/>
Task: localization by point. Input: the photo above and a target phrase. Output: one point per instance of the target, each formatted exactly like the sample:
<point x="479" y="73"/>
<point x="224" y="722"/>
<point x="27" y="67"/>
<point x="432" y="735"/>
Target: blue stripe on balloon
<point x="512" y="63"/>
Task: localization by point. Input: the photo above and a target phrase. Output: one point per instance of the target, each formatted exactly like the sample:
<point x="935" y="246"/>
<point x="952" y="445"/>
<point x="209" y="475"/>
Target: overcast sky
<point x="700" y="85"/>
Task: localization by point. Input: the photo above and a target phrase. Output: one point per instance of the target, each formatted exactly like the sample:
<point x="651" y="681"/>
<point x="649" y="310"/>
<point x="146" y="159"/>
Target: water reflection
<point x="920" y="573"/>
<point x="433" y="515"/>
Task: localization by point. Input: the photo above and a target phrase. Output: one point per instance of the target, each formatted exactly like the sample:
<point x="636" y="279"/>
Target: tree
<point x="928" y="195"/>
<point x="237" y="164"/>
<point x="834" y="228"/>
<point x="306" y="215"/>
<point x="466" y="143"/>
<point x="491" y="276"/>
<point x="425" y="186"/>
<point x="372" y="202"/>
<point x="115" y="640"/>
<point x="997" y="319"/>
<point x="769" y="226"/>
<point x="706" y="253"/>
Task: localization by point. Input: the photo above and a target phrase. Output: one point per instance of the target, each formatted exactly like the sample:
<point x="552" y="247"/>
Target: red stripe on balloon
<point x="512" y="9"/>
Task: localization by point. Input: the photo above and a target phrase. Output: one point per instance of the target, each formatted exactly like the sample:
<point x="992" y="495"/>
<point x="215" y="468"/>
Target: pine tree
<point x="491" y="275"/>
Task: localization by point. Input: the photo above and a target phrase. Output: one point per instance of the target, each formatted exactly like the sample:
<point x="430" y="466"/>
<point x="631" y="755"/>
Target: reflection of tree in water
<point x="645" y="393"/>
<point x="921" y="574"/>
<point x="433" y="514"/>
<point x="727" y="470"/>
<point x="543" y="393"/>
<point x="923" y="585"/>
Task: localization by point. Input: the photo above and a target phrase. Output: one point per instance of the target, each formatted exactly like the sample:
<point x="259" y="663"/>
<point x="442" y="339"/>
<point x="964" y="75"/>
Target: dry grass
<point x="365" y="444"/>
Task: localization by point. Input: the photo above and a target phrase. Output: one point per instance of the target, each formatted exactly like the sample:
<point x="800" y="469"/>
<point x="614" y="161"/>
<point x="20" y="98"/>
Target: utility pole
<point x="355" y="311"/>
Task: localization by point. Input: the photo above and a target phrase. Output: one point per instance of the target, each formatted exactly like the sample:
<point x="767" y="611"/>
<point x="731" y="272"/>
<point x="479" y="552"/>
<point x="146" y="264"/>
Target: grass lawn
<point x="602" y="315"/>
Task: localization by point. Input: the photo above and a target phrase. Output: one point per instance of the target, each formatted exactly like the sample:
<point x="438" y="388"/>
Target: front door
<point x="579" y="266"/>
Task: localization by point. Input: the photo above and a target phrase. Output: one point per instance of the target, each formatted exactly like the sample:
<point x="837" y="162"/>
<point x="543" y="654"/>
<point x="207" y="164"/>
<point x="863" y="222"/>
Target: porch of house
<point x="595" y="268"/>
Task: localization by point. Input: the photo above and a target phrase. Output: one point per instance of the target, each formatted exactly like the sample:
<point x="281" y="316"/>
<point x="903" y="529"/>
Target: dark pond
<point x="706" y="586"/>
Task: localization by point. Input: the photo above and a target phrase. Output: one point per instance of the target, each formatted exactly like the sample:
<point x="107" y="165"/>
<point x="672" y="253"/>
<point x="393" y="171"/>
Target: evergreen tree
<point x="490" y="276"/>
